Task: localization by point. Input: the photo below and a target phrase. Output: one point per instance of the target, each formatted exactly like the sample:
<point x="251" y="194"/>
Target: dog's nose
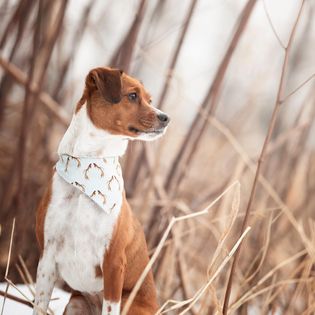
<point x="163" y="118"/>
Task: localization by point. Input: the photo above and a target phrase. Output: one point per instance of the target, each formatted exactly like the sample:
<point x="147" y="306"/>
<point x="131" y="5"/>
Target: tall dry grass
<point x="230" y="229"/>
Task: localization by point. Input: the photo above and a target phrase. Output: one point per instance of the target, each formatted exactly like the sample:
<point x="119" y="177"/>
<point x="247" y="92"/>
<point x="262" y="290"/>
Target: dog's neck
<point x="83" y="139"/>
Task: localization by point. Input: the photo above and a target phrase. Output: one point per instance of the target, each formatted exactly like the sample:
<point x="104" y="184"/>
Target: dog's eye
<point x="150" y="101"/>
<point x="133" y="96"/>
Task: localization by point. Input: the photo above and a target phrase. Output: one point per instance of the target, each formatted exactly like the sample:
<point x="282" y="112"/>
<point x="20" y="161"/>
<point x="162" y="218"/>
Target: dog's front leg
<point x="45" y="281"/>
<point x="113" y="273"/>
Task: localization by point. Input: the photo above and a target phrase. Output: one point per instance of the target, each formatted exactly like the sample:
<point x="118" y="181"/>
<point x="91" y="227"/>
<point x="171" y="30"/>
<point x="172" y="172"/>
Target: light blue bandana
<point x="99" y="178"/>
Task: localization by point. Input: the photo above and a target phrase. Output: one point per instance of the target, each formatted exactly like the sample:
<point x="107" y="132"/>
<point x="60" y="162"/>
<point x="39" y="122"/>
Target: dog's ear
<point x="107" y="82"/>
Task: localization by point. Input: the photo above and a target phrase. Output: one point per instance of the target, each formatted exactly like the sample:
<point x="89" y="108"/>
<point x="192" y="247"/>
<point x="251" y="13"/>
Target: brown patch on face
<point x="98" y="272"/>
<point x="110" y="105"/>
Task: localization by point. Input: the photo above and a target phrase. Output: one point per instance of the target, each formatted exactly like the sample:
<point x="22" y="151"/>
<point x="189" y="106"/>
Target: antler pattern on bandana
<point x="111" y="181"/>
<point x="103" y="185"/>
<point x="97" y="192"/>
<point x="78" y="185"/>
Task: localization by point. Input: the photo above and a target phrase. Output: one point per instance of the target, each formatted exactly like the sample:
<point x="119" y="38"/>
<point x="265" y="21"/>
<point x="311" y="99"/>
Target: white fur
<point x="82" y="138"/>
<point x="45" y="281"/>
<point x="110" y="308"/>
<point x="81" y="231"/>
<point x="150" y="136"/>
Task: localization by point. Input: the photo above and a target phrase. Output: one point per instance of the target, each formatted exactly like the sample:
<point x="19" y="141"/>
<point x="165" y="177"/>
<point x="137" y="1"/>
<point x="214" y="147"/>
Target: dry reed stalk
<point x="26" y="273"/>
<point x="9" y="282"/>
<point x="262" y="156"/>
<point x="226" y="232"/>
<point x="123" y="56"/>
<point x="76" y="41"/>
<point x="21" y="273"/>
<point x="263" y="251"/>
<point x="40" y="60"/>
<point x="18" y="20"/>
<point x="8" y="265"/>
<point x="122" y="60"/>
<point x="279" y="284"/>
<point x="197" y="128"/>
<point x="52" y="106"/>
<point x="174" y="58"/>
<point x="303" y="272"/>
<point x="15" y="298"/>
<point x="189" y="145"/>
<point x="169" y="75"/>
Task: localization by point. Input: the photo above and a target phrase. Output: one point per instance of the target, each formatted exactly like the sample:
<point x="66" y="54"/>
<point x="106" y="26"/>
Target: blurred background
<point x="214" y="66"/>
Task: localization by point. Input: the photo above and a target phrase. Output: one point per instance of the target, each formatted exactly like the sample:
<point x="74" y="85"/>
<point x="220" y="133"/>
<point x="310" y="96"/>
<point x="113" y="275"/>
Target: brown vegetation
<point x="196" y="194"/>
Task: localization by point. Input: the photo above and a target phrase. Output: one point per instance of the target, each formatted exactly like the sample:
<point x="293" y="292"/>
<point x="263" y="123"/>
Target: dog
<point x="86" y="231"/>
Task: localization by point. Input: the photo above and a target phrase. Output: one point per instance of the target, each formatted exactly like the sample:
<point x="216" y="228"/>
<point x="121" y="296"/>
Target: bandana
<point x="98" y="178"/>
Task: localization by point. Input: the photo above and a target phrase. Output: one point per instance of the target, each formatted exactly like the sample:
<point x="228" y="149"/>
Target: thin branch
<point x="297" y="89"/>
<point x="272" y="26"/>
<point x="15" y="298"/>
<point x="261" y="158"/>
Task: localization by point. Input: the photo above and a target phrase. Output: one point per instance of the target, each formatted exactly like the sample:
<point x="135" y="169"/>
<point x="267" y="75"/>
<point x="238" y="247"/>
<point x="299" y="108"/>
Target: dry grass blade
<point x="289" y="260"/>
<point x="161" y="243"/>
<point x="227" y="231"/>
<point x="8" y="265"/>
<point x="201" y="291"/>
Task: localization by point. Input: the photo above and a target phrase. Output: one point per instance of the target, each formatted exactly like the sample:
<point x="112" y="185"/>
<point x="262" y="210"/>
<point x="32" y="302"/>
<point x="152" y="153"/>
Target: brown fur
<point x="40" y="216"/>
<point x="125" y="260"/>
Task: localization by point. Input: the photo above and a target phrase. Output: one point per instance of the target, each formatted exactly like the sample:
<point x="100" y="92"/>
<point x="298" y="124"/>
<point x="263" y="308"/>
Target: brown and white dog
<point x="99" y="254"/>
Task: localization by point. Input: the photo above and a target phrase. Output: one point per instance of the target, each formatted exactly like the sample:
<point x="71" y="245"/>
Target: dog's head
<point x="120" y="105"/>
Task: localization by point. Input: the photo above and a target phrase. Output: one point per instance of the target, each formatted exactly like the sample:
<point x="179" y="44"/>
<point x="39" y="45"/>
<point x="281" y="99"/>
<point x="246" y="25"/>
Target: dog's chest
<point x="79" y="232"/>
